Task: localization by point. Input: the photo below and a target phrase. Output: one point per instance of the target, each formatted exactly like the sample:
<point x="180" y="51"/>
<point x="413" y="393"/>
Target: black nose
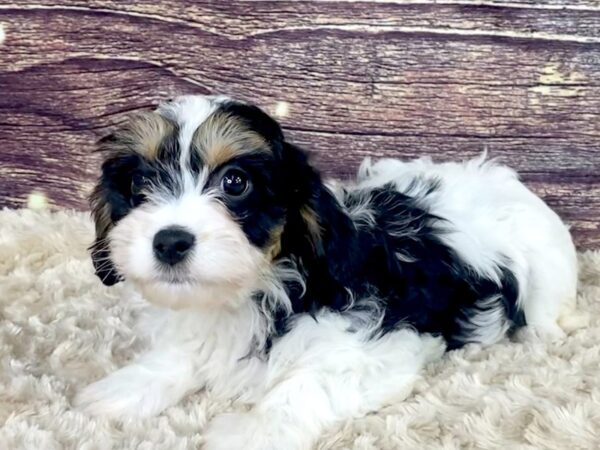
<point x="171" y="245"/>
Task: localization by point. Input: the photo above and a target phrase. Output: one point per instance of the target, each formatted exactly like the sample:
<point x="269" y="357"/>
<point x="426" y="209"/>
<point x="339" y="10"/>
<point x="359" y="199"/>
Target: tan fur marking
<point x="222" y="137"/>
<point x="273" y="248"/>
<point x="143" y="133"/>
<point x="312" y="224"/>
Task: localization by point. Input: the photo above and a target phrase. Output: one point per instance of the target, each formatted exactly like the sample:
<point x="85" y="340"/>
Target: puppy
<point x="314" y="303"/>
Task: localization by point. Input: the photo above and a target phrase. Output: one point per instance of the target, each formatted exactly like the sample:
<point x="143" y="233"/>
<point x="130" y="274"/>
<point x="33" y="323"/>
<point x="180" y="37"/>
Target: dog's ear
<point x="103" y="219"/>
<point x="331" y="234"/>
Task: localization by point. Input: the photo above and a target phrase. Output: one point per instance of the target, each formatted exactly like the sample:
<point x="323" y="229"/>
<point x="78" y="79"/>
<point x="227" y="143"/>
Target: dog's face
<point x="193" y="199"/>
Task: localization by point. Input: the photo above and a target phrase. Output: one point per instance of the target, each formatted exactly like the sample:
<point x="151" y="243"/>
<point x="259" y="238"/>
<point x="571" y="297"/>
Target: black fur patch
<point x="428" y="287"/>
<point x="264" y="208"/>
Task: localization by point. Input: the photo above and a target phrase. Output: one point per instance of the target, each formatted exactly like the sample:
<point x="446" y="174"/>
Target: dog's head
<point x="196" y="198"/>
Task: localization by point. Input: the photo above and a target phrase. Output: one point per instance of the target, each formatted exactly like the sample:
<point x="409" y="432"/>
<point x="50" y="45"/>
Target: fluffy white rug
<point x="60" y="329"/>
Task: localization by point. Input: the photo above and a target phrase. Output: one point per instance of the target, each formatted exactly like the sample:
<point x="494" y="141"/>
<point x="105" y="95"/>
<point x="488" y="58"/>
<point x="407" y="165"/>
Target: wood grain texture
<point x="404" y="78"/>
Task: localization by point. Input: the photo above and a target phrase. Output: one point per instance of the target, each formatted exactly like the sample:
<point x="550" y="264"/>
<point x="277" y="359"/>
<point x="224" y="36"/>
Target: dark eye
<point x="235" y="183"/>
<point x="138" y="184"/>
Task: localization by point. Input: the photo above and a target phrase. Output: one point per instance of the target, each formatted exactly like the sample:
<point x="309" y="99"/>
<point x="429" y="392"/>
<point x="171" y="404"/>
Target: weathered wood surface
<point x="519" y="78"/>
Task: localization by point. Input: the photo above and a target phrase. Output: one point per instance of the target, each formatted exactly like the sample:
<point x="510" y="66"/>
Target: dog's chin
<point x="193" y="294"/>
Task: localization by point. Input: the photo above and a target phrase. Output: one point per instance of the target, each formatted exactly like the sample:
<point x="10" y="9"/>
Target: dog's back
<point x="494" y="222"/>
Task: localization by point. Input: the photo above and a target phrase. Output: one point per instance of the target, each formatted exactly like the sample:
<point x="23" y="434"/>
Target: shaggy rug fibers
<point x="60" y="329"/>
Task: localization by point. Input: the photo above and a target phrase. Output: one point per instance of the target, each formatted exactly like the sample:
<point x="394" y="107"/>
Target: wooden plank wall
<point x="520" y="78"/>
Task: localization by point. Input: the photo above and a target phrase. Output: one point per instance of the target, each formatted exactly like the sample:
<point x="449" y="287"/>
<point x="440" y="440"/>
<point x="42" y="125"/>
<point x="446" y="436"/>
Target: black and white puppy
<point x="312" y="302"/>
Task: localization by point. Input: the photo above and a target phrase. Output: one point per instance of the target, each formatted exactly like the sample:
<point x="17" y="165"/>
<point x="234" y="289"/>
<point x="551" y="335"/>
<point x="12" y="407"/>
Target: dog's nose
<point x="172" y="244"/>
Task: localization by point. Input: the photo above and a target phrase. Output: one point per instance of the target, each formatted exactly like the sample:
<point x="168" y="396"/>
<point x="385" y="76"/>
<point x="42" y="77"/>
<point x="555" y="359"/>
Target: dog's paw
<point x="120" y="395"/>
<point x="251" y="431"/>
<point x="540" y="333"/>
<point x="574" y="320"/>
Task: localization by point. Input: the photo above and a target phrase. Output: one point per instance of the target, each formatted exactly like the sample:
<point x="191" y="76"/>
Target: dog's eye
<point x="235" y="183"/>
<point x="138" y="184"/>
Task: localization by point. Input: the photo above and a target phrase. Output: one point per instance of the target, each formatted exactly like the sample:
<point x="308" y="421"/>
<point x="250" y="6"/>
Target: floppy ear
<point x="331" y="234"/>
<point x="102" y="214"/>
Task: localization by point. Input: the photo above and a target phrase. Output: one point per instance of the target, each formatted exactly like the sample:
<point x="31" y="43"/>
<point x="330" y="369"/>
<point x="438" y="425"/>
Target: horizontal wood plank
<point x="404" y="78"/>
<point x="532" y="19"/>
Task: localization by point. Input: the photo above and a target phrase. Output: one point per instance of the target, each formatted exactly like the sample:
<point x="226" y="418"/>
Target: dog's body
<point x="313" y="303"/>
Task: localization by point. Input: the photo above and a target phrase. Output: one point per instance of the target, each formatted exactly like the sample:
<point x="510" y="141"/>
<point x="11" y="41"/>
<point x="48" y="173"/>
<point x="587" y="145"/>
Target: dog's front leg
<point x="155" y="381"/>
<point x="321" y="373"/>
